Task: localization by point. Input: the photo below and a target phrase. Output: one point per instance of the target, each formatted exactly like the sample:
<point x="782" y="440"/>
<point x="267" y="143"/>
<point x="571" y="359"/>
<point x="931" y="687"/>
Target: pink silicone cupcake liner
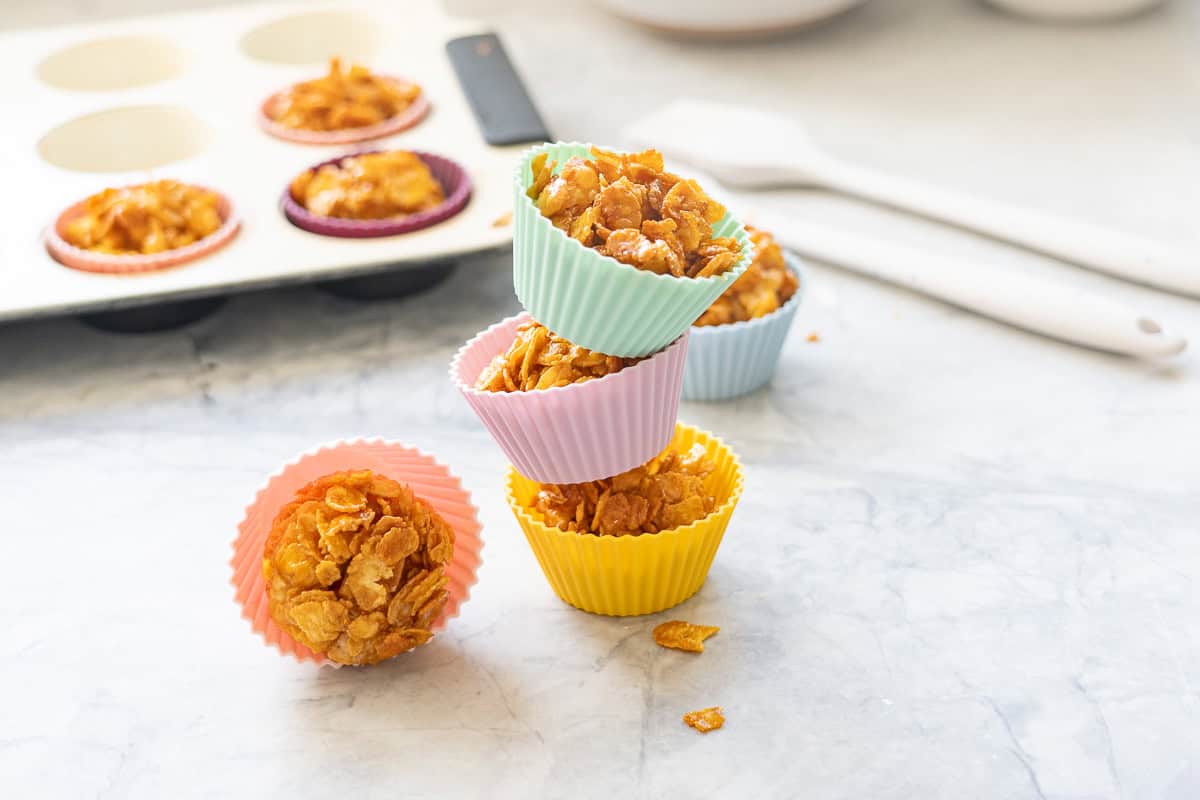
<point x="582" y="432"/>
<point x="455" y="184"/>
<point x="427" y="478"/>
<point x="77" y="258"/>
<point x="407" y="118"/>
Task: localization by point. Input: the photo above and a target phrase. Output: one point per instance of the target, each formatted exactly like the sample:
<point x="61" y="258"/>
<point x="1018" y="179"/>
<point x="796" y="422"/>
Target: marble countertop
<point x="965" y="565"/>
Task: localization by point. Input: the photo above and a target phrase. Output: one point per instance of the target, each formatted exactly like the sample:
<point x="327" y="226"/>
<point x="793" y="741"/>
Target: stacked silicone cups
<point x="730" y="360"/>
<point x="605" y="426"/>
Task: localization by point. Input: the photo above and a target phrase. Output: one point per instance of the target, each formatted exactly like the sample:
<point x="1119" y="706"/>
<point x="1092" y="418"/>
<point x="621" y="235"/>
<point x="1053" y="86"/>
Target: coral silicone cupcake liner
<point x="410" y="116"/>
<point x="427" y="478"/>
<point x="727" y="361"/>
<point x="581" y="432"/>
<point x="593" y="300"/>
<point x="77" y="258"/>
<point x="456" y="185"/>
<point x="630" y="575"/>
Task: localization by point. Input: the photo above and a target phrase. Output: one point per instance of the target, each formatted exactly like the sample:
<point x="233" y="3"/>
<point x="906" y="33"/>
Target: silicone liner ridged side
<point x="581" y="432"/>
<point x="632" y="575"/>
<point x="429" y="480"/>
<point x="727" y="361"/>
<point x="596" y="301"/>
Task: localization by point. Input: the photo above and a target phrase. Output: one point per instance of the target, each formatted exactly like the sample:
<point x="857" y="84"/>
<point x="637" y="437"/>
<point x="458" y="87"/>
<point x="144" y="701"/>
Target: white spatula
<point x="1025" y="301"/>
<point x="781" y="155"/>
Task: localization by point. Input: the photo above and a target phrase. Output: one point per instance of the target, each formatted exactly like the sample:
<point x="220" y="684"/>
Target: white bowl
<point x="721" y="19"/>
<point x="1075" y="9"/>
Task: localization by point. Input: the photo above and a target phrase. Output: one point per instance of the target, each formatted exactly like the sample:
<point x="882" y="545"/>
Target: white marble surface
<point x="966" y="561"/>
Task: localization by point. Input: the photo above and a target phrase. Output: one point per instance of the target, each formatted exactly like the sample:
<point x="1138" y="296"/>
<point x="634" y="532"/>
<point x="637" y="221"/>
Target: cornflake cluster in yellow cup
<point x="638" y="542"/>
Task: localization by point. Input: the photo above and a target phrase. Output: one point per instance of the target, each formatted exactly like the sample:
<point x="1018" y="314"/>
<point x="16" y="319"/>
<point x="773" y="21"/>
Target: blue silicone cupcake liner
<point x="727" y="361"/>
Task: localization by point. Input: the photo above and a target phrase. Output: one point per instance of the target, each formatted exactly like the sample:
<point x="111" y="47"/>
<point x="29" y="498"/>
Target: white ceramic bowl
<point x="1064" y="10"/>
<point x="721" y="19"/>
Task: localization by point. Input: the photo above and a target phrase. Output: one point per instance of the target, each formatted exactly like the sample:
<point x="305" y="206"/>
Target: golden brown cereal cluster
<point x="144" y="219"/>
<point x="355" y="567"/>
<point x="342" y="99"/>
<point x="665" y="492"/>
<point x="385" y="185"/>
<point x="625" y="206"/>
<point x="765" y="285"/>
<point x="680" y="635"/>
<point x="706" y="719"/>
<point x="539" y="359"/>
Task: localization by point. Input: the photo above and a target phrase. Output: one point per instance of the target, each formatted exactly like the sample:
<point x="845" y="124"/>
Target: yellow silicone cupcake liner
<point x="629" y="575"/>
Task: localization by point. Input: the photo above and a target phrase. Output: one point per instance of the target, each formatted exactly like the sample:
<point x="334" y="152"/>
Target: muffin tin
<point x="177" y="96"/>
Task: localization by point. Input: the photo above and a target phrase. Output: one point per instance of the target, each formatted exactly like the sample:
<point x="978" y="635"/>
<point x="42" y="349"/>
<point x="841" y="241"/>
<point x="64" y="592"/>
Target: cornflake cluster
<point x="625" y="206"/>
<point x="341" y="99"/>
<point x="540" y="359"/>
<point x="384" y="185"/>
<point x="765" y="285"/>
<point x="150" y="218"/>
<point x="665" y="492"/>
<point x="354" y="567"/>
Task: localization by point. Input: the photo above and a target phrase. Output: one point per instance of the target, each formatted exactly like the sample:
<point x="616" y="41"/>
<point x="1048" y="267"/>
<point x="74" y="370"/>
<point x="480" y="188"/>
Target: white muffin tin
<point x="175" y="96"/>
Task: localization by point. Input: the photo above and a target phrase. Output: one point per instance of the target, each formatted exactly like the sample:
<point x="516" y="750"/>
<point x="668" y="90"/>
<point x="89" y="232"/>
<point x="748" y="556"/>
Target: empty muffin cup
<point x="582" y="431"/>
<point x="730" y="360"/>
<point x="123" y="264"/>
<point x="456" y="186"/>
<point x="428" y="480"/>
<point x="638" y="574"/>
<point x="595" y="301"/>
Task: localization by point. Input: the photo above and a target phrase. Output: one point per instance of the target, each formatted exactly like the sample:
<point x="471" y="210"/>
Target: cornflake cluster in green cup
<point x="596" y="301"/>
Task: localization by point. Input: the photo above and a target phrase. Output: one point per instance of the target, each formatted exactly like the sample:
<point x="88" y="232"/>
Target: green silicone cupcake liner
<point x="593" y="300"/>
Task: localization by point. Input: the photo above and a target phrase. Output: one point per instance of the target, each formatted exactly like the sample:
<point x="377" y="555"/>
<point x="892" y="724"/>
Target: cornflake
<point x="625" y="206"/>
<point x="148" y="218"/>
<point x="342" y="98"/>
<point x="765" y="285"/>
<point x="665" y="492"/>
<point x="681" y="635"/>
<point x="706" y="719"/>
<point x="541" y="359"/>
<point x="355" y="567"/>
<point x="384" y="185"/>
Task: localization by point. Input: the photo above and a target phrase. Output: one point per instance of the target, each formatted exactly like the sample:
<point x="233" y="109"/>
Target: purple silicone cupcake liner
<point x="455" y="184"/>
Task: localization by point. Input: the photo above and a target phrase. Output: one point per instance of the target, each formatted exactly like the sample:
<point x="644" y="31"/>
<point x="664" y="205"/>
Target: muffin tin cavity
<point x="113" y="63"/>
<point x="125" y="139"/>
<point x="313" y="37"/>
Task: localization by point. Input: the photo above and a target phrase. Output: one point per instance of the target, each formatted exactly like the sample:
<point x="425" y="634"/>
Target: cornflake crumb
<point x="680" y="635"/>
<point x="706" y="719"/>
<point x="813" y="337"/>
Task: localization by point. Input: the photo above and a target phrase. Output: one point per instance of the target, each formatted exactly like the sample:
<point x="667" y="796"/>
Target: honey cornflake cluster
<point x="627" y="207"/>
<point x="144" y="219"/>
<point x="706" y="719"/>
<point x="765" y="285"/>
<point x="680" y="635"/>
<point x="541" y="359"/>
<point x="665" y="492"/>
<point x="342" y="98"/>
<point x="383" y="185"/>
<point x="355" y="567"/>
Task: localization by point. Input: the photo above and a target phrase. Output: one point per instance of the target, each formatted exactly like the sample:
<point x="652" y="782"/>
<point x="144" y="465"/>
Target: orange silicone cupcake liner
<point x="427" y="478"/>
<point x="77" y="258"/>
<point x="410" y="116"/>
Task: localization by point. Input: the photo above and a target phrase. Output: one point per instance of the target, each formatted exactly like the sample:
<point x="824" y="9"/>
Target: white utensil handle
<point x="1120" y="254"/>
<point x="1037" y="305"/>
